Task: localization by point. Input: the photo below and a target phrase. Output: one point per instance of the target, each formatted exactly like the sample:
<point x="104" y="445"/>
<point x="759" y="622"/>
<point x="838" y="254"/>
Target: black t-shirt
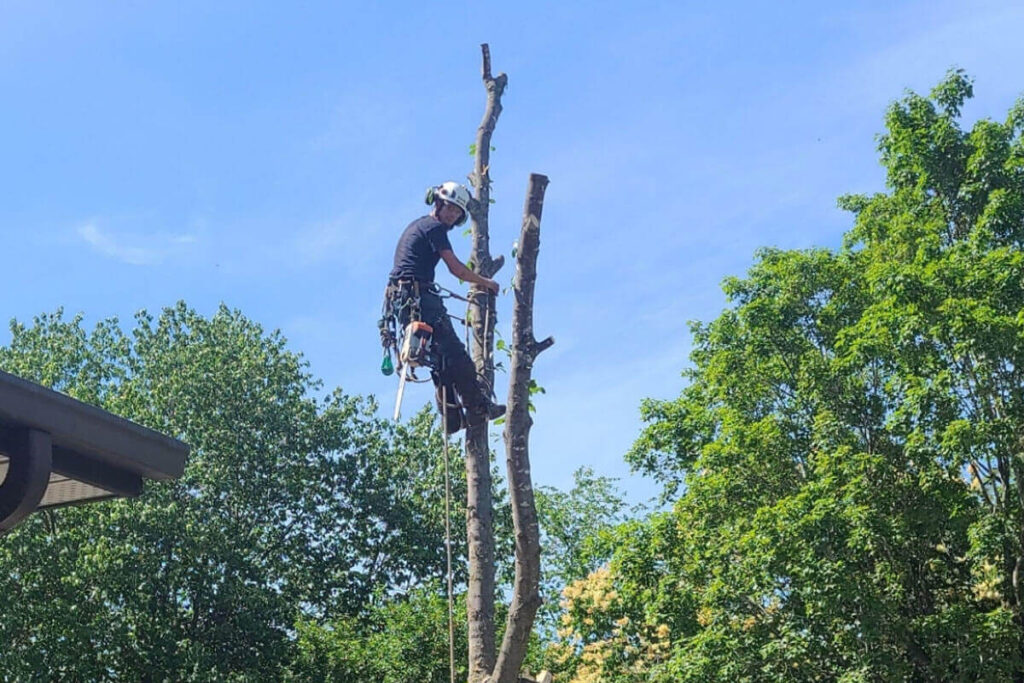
<point x="419" y="249"/>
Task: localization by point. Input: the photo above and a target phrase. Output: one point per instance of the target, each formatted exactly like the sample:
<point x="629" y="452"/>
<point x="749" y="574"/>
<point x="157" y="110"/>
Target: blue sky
<point x="267" y="155"/>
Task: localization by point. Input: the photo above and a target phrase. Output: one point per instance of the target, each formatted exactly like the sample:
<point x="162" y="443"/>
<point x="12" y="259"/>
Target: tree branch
<point x="486" y="50"/>
<point x="480" y="178"/>
<point x="541" y="346"/>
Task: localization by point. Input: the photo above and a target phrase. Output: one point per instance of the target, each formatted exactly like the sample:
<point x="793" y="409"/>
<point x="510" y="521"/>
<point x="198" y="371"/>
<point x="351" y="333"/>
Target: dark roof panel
<point x="67" y="452"/>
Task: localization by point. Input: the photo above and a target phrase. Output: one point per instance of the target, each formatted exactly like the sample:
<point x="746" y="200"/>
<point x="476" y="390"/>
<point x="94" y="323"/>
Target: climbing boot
<point x="494" y="410"/>
<point x="477" y="407"/>
<point x="454" y="420"/>
<point x="484" y="412"/>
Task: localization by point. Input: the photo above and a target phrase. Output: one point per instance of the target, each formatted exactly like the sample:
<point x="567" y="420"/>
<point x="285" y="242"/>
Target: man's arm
<point x="459" y="270"/>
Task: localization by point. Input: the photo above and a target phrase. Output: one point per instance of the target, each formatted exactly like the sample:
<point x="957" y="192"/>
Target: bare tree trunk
<point x="479" y="504"/>
<point x="525" y="349"/>
<point x="479" y="508"/>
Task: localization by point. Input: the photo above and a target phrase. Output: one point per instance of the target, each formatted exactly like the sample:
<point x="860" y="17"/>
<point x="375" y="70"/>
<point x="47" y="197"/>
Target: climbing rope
<point x="448" y="533"/>
<point x="446" y="293"/>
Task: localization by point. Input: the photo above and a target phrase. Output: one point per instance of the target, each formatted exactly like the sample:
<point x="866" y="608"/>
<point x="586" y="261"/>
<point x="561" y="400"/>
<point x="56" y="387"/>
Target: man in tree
<point x="422" y="245"/>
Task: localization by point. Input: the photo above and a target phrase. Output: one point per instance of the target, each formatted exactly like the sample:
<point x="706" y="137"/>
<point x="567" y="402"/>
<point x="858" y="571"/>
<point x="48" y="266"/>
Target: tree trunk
<point x="483" y="665"/>
<point x="525" y="349"/>
<point x="479" y="504"/>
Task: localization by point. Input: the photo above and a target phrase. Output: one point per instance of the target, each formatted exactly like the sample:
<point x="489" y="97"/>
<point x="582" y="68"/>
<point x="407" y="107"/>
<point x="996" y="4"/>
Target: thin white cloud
<point x="325" y="241"/>
<point x="977" y="37"/>
<point x="136" y="250"/>
<point x="350" y="240"/>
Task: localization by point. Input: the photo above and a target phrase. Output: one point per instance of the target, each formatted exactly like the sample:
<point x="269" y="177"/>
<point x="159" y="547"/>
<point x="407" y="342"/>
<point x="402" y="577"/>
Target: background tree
<point x="845" y="460"/>
<point x="398" y="642"/>
<point x="292" y="509"/>
<point x="577" y="528"/>
<point x="305" y="541"/>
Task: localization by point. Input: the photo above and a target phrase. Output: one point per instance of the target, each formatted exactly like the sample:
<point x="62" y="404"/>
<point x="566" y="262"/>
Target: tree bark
<point x="525" y="349"/>
<point x="480" y="504"/>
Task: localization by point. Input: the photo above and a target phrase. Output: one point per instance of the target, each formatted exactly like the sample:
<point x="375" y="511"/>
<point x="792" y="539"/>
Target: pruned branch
<point x="486" y="50"/>
<point x="480" y="178"/>
<point x="526" y="588"/>
<point x="496" y="264"/>
<point x="542" y="345"/>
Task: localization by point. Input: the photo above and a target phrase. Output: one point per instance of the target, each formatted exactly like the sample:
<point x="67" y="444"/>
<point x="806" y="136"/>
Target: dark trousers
<point x="457" y="369"/>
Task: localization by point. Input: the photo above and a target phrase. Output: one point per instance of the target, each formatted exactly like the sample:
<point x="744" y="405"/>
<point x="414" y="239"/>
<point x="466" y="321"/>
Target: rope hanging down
<point x="448" y="535"/>
<point x="448" y="489"/>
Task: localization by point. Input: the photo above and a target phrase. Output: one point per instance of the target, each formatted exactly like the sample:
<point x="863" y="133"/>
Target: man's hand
<point x="459" y="270"/>
<point x="491" y="286"/>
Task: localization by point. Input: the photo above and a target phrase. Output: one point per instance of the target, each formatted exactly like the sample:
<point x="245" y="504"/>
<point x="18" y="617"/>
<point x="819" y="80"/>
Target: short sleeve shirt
<point x="419" y="249"/>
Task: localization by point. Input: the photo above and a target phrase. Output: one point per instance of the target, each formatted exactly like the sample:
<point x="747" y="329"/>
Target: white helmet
<point x="456" y="194"/>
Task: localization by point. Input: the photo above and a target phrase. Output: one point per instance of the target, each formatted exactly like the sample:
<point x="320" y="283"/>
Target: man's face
<point x="449" y="214"/>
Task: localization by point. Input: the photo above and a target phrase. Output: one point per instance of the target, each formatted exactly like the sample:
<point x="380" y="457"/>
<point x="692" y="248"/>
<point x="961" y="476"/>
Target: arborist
<point x="411" y="286"/>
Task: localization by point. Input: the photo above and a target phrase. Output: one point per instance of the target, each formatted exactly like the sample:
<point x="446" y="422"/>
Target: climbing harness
<point x="404" y="334"/>
<point x="408" y="339"/>
<point x="401" y="302"/>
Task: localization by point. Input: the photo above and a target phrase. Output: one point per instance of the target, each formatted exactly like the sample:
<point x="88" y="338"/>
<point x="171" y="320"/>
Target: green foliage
<point x="846" y="461"/>
<point x="404" y="640"/>
<point x="292" y="509"/>
<point x="575" y="524"/>
<point x="576" y="531"/>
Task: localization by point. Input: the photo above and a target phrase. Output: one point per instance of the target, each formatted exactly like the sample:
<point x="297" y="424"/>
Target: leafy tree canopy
<point x="291" y="509"/>
<point x="847" y="460"/>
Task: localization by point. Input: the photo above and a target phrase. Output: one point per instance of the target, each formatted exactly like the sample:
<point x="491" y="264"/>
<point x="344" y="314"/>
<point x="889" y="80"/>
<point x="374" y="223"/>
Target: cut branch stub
<point x="485" y="49"/>
<point x="542" y="345"/>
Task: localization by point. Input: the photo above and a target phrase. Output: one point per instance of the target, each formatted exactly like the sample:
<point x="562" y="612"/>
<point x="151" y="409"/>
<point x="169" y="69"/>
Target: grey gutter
<point x="45" y="432"/>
